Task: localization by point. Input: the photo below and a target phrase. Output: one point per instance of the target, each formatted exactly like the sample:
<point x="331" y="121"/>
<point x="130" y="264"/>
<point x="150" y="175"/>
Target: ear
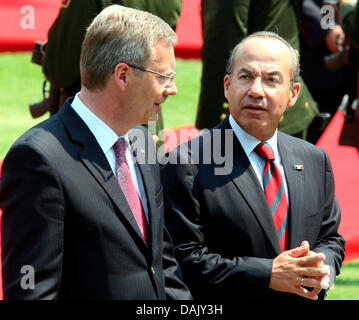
<point x="121" y="75"/>
<point x="226" y="83"/>
<point x="294" y="92"/>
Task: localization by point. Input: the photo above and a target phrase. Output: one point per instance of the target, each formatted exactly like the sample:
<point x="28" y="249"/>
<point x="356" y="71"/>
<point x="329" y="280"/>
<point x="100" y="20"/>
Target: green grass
<point x="346" y="286"/>
<point x="181" y="109"/>
<point x="21" y="84"/>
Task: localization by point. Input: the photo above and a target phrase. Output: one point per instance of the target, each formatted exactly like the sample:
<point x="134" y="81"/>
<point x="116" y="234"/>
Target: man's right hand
<point x="295" y="269"/>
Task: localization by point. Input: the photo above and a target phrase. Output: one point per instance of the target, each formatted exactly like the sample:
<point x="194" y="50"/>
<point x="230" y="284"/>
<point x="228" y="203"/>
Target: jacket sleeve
<point x="32" y="225"/>
<point x="174" y="285"/>
<point x="329" y="241"/>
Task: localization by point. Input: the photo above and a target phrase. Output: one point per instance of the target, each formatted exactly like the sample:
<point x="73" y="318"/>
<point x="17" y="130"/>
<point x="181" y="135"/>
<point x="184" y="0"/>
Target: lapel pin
<point x="298" y="167"/>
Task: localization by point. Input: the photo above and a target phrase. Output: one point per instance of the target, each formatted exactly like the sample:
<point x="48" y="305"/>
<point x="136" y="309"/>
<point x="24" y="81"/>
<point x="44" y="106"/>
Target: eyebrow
<point x="270" y="73"/>
<point x="275" y="73"/>
<point x="244" y="70"/>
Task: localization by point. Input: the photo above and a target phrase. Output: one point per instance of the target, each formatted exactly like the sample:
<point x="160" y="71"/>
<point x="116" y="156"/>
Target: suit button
<point x="153" y="270"/>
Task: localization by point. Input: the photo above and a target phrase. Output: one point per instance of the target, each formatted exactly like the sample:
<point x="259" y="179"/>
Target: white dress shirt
<point x="249" y="143"/>
<point x="106" y="138"/>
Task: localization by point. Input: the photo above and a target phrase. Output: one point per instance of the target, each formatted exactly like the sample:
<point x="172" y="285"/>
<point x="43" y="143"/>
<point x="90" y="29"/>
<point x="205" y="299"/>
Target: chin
<point x="153" y="117"/>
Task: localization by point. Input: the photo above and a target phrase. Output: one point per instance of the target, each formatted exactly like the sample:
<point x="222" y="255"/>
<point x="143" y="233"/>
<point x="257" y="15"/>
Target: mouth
<point x="159" y="104"/>
<point x="256" y="108"/>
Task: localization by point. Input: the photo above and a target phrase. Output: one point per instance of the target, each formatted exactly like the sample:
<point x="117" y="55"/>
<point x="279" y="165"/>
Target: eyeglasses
<point x="268" y="81"/>
<point x="166" y="79"/>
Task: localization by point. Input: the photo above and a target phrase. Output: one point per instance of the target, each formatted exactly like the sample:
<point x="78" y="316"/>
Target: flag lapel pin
<point x="298" y="167"/>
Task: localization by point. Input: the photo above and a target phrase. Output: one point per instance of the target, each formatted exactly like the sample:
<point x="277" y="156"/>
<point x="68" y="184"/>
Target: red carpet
<point x="345" y="163"/>
<point x="21" y="26"/>
<point x="20" y="29"/>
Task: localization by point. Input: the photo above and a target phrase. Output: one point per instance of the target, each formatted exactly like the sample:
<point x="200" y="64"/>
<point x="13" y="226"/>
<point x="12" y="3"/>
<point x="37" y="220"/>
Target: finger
<point x="325" y="266"/>
<point x="312" y="283"/>
<point x="305" y="243"/>
<point x="316" y="290"/>
<point x="320" y="263"/>
<point x="305" y="246"/>
<point x="324" y="283"/>
<point x="303" y="250"/>
<point x="312" y="272"/>
<point x="305" y="293"/>
<point x="313" y="259"/>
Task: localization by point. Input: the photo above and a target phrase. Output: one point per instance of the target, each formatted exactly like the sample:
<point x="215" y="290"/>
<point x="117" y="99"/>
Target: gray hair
<point x="268" y="34"/>
<point x="120" y="34"/>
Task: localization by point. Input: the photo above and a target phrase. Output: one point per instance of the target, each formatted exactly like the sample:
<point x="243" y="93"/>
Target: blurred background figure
<point x="325" y="58"/>
<point x="350" y="21"/>
<point x="61" y="53"/>
<point x="224" y="24"/>
<point x="350" y="24"/>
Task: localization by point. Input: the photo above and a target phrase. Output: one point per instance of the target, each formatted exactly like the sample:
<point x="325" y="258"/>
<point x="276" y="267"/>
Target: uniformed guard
<point x="350" y="23"/>
<point x="61" y="61"/>
<point x="224" y="24"/>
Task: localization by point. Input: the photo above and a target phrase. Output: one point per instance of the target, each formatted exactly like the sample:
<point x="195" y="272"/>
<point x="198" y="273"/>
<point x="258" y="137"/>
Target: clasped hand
<point x="299" y="269"/>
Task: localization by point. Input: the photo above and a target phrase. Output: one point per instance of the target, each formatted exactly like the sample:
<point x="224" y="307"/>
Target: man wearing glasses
<point x="268" y="229"/>
<point x="68" y="31"/>
<point x="80" y="192"/>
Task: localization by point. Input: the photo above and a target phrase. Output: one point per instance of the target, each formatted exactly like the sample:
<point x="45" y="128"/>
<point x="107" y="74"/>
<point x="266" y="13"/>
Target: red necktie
<point x="275" y="193"/>
<point x="128" y="188"/>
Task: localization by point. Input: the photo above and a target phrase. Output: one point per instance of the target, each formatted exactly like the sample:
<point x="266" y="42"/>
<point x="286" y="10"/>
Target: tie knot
<point x="264" y="150"/>
<point x="120" y="148"/>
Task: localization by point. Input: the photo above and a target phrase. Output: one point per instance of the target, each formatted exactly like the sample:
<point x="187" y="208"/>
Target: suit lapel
<point x="246" y="181"/>
<point x="93" y="158"/>
<point x="295" y="183"/>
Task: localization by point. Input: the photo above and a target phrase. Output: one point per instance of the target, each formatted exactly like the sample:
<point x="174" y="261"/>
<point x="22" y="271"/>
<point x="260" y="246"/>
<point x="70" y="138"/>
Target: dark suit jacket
<point x="221" y="226"/>
<point x="65" y="215"/>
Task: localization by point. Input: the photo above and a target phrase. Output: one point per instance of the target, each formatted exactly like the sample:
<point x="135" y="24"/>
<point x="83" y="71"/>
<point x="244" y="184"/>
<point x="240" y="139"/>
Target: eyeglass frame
<point x="291" y="81"/>
<point x="170" y="78"/>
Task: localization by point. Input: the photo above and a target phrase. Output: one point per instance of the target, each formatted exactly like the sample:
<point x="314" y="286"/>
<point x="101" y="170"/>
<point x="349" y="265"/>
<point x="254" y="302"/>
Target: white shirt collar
<point x="104" y="135"/>
<point x="249" y="142"/>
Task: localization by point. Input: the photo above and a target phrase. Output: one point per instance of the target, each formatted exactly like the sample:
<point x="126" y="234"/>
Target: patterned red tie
<point x="275" y="193"/>
<point x="128" y="188"/>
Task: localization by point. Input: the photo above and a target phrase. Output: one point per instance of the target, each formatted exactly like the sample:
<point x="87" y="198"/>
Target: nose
<point x="256" y="89"/>
<point x="171" y="89"/>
